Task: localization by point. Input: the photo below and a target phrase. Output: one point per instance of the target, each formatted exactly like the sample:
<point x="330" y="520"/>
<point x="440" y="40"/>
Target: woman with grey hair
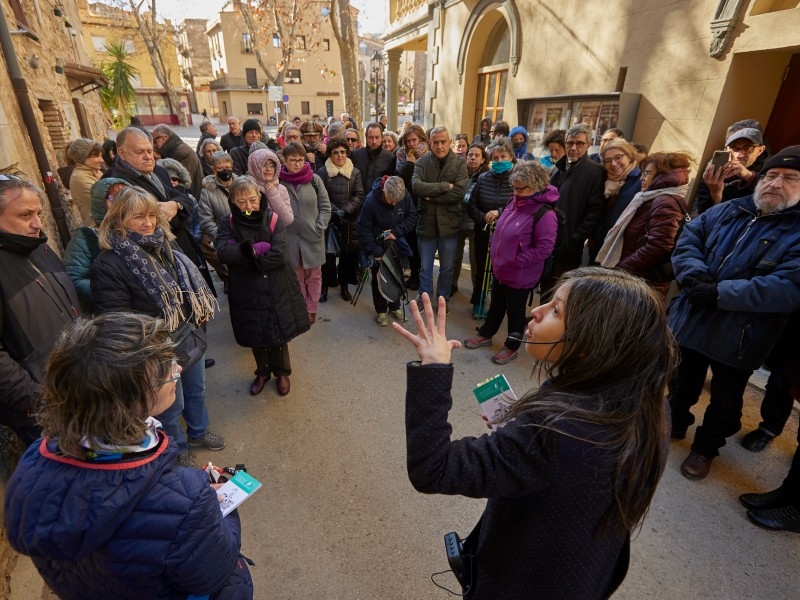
<point x="489" y="197"/>
<point x="207" y="149"/>
<point x="390" y="141"/>
<point x="523" y="240"/>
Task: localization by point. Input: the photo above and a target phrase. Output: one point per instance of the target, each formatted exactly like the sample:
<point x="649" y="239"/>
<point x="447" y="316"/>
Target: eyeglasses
<point x="743" y="149"/>
<point x="519" y="190"/>
<point x="174" y="374"/>
<point x="341" y="151"/>
<point x="615" y="159"/>
<point x="159" y="137"/>
<point x="576" y="144"/>
<point x="4" y="177"/>
<point x="295" y="161"/>
<point x="268" y="166"/>
<point x="770" y="177"/>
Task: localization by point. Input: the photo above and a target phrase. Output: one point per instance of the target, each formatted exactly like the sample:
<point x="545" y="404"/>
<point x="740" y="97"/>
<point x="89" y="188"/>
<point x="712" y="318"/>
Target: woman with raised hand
<point x="98" y="503"/>
<point x="572" y="467"/>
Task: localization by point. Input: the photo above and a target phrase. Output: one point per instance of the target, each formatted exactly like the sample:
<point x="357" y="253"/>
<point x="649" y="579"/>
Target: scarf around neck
<point x="611" y="252"/>
<point x="304" y="175"/>
<point x="96" y="450"/>
<point x="169" y="295"/>
<point x="21" y="244"/>
<point x="613" y="186"/>
<point x="345" y="170"/>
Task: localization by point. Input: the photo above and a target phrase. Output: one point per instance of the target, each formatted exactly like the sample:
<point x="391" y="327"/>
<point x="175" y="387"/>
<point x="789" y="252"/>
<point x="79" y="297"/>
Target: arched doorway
<point x="492" y="74"/>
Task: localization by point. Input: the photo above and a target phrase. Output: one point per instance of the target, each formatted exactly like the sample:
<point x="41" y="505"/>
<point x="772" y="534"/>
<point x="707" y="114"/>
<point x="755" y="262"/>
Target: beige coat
<point x="80" y="186"/>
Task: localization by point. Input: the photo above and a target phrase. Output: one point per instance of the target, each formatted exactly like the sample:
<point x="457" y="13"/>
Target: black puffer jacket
<point x="581" y="199"/>
<point x="378" y="216"/>
<point x="491" y="192"/>
<point x="346" y="194"/>
<point x="373" y="164"/>
<point x="266" y="306"/>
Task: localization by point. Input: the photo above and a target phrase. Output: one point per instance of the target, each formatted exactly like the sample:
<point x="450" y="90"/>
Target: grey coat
<point x="213" y="205"/>
<point x="439" y="207"/>
<point x="312" y="212"/>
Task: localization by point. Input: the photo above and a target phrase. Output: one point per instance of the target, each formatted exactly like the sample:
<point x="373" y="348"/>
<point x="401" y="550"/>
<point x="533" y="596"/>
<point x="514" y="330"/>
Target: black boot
<point x="323" y="297"/>
<point x="345" y="292"/>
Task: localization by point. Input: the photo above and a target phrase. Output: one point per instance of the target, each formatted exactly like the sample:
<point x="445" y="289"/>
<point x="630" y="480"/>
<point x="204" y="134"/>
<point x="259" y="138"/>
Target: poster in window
<point x="553" y="118"/>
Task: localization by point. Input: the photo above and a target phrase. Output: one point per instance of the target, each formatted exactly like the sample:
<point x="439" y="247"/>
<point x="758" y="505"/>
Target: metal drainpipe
<point x="29" y="118"/>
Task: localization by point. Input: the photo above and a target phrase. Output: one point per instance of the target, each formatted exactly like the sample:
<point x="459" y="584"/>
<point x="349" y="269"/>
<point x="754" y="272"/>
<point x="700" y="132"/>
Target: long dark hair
<point x="617" y="356"/>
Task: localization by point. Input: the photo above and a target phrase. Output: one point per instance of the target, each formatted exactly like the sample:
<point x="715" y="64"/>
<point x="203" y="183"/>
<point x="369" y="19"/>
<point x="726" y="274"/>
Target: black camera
<point x="459" y="562"/>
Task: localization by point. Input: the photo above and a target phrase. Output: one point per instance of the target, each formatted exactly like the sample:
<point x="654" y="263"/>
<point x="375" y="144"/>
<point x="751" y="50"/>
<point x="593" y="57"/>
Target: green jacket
<point x="439" y="206"/>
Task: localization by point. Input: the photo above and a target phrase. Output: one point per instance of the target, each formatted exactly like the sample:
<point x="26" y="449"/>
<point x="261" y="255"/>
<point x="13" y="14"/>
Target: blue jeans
<point x="447" y="255"/>
<point x="190" y="401"/>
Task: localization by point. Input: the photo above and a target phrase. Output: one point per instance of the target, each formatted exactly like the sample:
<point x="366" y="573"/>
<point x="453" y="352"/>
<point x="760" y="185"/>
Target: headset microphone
<point x="517" y="337"/>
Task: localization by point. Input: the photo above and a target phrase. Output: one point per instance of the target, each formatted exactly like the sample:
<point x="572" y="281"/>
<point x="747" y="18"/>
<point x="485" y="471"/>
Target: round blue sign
<point x="285" y="98"/>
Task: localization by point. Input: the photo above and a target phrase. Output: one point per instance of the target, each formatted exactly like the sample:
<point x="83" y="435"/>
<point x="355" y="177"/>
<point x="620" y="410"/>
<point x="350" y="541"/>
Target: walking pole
<point x="486" y="285"/>
<point x="364" y="278"/>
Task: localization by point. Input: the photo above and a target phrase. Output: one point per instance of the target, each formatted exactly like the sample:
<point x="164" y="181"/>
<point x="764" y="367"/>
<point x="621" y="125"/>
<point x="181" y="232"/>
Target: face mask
<point x="519" y="145"/>
<point x="501" y="166"/>
<point x="225" y="175"/>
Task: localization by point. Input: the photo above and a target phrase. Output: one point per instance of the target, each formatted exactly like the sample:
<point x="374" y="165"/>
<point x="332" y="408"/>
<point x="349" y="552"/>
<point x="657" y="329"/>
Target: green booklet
<point x="236" y="490"/>
<point x="495" y="397"/>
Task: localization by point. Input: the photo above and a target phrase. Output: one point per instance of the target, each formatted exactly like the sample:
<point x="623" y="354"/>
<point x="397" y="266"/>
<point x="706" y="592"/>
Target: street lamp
<point x="376" y="62"/>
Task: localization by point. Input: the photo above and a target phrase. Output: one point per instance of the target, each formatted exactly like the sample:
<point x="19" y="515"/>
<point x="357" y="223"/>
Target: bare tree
<point x="153" y="34"/>
<point x="346" y="34"/>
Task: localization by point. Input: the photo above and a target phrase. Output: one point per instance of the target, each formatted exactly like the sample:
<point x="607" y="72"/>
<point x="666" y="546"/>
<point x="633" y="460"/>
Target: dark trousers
<point x="463" y="236"/>
<point x="274" y="359"/>
<point x="506" y="301"/>
<point x="723" y="416"/>
<point x="792" y="482"/>
<point x="548" y="282"/>
<point x="784" y="365"/>
<point x="379" y="302"/>
<point x="413" y="260"/>
<point x="340" y="269"/>
<point x="481" y="241"/>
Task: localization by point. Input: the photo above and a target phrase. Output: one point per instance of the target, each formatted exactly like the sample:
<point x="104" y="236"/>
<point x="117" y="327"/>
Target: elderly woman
<point x="140" y="271"/>
<point x="488" y="199"/>
<point x="390" y="141"/>
<point x="312" y="212"/>
<point x="88" y="158"/>
<point x="207" y="149"/>
<point x="98" y="504"/>
<point x="643" y="238"/>
<point x="266" y="307"/>
<point x="346" y="192"/>
<point x="620" y="159"/>
<point x="523" y="240"/>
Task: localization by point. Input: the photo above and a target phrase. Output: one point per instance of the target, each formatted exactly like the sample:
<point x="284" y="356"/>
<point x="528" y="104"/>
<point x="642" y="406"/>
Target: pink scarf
<point x="304" y="175"/>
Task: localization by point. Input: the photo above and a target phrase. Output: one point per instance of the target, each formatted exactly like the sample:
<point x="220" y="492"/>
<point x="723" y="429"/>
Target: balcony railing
<point x="406" y="7"/>
<point x="234" y="83"/>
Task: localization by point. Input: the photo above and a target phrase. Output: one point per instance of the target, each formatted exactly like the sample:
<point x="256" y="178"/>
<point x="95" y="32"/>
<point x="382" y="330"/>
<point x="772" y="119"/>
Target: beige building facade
<point x="48" y="99"/>
<point x="313" y="86"/>
<point x="194" y="58"/>
<point x="672" y="75"/>
<point x="102" y="24"/>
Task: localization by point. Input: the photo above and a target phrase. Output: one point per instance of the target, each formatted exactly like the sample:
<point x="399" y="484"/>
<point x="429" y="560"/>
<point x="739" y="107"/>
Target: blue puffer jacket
<point x="755" y="261"/>
<point x="377" y="216"/>
<point x="518" y="249"/>
<point x="124" y="529"/>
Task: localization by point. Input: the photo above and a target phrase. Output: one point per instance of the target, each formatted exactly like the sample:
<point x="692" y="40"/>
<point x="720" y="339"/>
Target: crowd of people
<point x="282" y="221"/>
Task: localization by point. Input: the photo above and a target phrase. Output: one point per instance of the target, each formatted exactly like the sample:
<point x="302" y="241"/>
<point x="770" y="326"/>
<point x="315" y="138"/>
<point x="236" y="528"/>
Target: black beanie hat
<point x="788" y="158"/>
<point x="251" y="125"/>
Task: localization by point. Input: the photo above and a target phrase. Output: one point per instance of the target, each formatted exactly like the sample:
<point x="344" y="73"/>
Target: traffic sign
<point x="275" y="92"/>
<point x="286" y="98"/>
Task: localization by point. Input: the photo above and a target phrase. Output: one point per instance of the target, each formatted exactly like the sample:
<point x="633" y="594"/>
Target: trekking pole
<point x="486" y="284"/>
<point x="364" y="278"/>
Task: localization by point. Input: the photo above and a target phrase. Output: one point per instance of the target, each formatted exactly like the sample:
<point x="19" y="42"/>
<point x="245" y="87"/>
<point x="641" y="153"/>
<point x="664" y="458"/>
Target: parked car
<point x="401" y="108"/>
<point x="409" y="108"/>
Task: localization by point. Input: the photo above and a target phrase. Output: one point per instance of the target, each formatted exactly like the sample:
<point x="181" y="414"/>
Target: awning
<point x="86" y="76"/>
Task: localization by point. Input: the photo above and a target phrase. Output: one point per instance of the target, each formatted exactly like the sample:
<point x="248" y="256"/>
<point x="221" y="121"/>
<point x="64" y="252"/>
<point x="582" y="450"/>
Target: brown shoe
<point x="312" y="317"/>
<point x="258" y="385"/>
<point x="696" y="466"/>
<point x="284" y="385"/>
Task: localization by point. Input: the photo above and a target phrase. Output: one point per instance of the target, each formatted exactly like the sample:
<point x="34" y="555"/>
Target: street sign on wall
<point x="275" y="92"/>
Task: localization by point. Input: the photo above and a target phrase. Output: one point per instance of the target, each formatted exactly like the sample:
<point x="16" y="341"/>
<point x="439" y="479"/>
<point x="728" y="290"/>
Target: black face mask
<point x="225" y="175"/>
<point x="518" y="145"/>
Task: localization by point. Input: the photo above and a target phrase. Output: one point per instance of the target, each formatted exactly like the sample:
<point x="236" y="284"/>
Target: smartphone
<point x="721" y="158"/>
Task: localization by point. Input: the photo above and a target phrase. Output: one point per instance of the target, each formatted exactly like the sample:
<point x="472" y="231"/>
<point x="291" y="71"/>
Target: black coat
<point x="373" y="164"/>
<point x="346" y="194"/>
<point x="491" y="192"/>
<point x="378" y="216"/>
<point x="582" y="201"/>
<point x="230" y="141"/>
<point x="266" y="306"/>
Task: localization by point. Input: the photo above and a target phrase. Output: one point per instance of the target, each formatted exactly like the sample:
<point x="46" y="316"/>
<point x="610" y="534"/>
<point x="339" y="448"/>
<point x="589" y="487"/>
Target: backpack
<point x="562" y="220"/>
<point x="391" y="283"/>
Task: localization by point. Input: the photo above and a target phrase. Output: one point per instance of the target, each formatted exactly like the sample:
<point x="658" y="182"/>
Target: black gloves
<point x="702" y="294"/>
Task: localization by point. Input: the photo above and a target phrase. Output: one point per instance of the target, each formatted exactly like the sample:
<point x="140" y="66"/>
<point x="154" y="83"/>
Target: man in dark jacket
<point x="208" y="131"/>
<point x="252" y="133"/>
<point x="232" y="139"/>
<point x="580" y="186"/>
<point x="170" y="145"/>
<point x="387" y="213"/>
<point x="439" y="182"/>
<point x="738" y="266"/>
<point x="373" y="161"/>
<point x="737" y="178"/>
<point x="37" y="299"/>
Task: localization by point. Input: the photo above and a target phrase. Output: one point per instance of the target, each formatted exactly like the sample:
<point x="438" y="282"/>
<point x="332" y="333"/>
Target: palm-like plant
<point x="120" y="95"/>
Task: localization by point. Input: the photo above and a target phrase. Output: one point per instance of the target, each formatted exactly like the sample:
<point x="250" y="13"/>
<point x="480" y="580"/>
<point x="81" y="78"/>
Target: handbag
<point x="333" y="243"/>
<point x="190" y="344"/>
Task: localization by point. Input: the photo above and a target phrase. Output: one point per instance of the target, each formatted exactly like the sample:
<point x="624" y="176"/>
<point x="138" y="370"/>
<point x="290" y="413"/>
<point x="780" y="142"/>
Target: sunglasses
<point x="4" y="177"/>
<point x="352" y="139"/>
<point x="175" y="179"/>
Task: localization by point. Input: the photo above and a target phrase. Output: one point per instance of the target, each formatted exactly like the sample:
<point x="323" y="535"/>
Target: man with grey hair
<point x="232" y="139"/>
<point x="439" y="182"/>
<point x="738" y="267"/>
<point x="169" y="145"/>
<point x="335" y="129"/>
<point x="387" y="213"/>
<point x="580" y="187"/>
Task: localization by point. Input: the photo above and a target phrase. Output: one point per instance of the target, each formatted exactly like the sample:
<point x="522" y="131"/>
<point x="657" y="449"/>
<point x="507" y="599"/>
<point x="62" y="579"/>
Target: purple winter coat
<point x="518" y="253"/>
